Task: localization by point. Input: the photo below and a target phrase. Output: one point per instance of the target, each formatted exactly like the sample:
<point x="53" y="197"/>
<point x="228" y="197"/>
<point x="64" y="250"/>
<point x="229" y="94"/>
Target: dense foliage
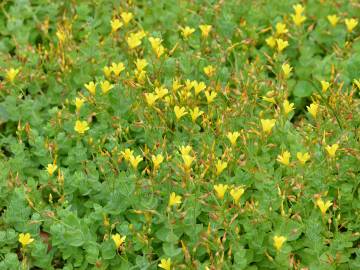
<point x="176" y="134"/>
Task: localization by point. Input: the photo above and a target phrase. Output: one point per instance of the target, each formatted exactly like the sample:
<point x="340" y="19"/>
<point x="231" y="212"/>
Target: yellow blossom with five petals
<point x="51" y="168"/>
<point x="115" y="25"/>
<point x="126" y="17"/>
<point x="210" y="96"/>
<point x="11" y="74"/>
<point x="179" y="112"/>
<point x="236" y="193"/>
<point x="165" y="264"/>
<point x="281" y="44"/>
<point x="323" y="206"/>
<point x="267" y="124"/>
<point x="331" y="149"/>
<point x="91" y="87"/>
<point x="351" y="24"/>
<point x="174" y="199"/>
<point x="324" y="85"/>
<point x="288" y="107"/>
<point x="209" y="71"/>
<point x="106" y="86"/>
<point x="25" y="239"/>
<point x="205" y="30"/>
<point x="157" y="160"/>
<point x="286" y="69"/>
<point x="232" y="136"/>
<point x="333" y="19"/>
<point x="118" y="240"/>
<point x="220" y="166"/>
<point x="186" y="31"/>
<point x="134" y="161"/>
<point x="303" y="157"/>
<point x="284" y="158"/>
<point x="279" y="242"/>
<point x="195" y="113"/>
<point x="220" y="190"/>
<point x="81" y="127"/>
<point x="117" y="68"/>
<point x="313" y="109"/>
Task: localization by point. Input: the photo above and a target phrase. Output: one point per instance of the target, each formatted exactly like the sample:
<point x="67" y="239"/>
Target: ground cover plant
<point x="175" y="134"/>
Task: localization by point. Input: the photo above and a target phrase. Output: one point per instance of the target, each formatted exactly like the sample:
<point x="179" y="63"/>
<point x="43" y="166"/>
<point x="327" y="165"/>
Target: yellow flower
<point x="232" y="136"/>
<point x="78" y="103"/>
<point x="220" y="190"/>
<point x="198" y="87"/>
<point x="91" y="87"/>
<point x="303" y="157"/>
<point x="134" y="161"/>
<point x="126" y="17"/>
<point x="186" y="31"/>
<point x="169" y="100"/>
<point x="165" y="264"/>
<point x="174" y="199"/>
<point x="288" y="107"/>
<point x="185" y="150"/>
<point x="179" y="112"/>
<point x="298" y="19"/>
<point x="133" y="40"/>
<point x="117" y="68"/>
<point x="61" y="35"/>
<point x="161" y="91"/>
<point x="156" y="46"/>
<point x="81" y="127"/>
<point x="281" y="44"/>
<point x="313" y="109"/>
<point x="11" y="74"/>
<point x="357" y="83"/>
<point x="140" y="76"/>
<point x="286" y="68"/>
<point x="209" y="71"/>
<point x="205" y="30"/>
<point x="281" y="28"/>
<point x="157" y="160"/>
<point x="220" y="166"/>
<point x="236" y="193"/>
<point x="325" y="85"/>
<point x="284" y="158"/>
<point x="115" y="25"/>
<point x="25" y="239"/>
<point x="141" y="64"/>
<point x="298" y="8"/>
<point x="323" y="206"/>
<point x="267" y="124"/>
<point x="269" y="97"/>
<point x="107" y="71"/>
<point x="176" y="84"/>
<point x="210" y="96"/>
<point x="127" y="153"/>
<point x="333" y="19"/>
<point x="351" y="24"/>
<point x="51" y="168"/>
<point x="331" y="149"/>
<point x="118" y="240"/>
<point x="140" y="34"/>
<point x="106" y="86"/>
<point x="155" y="42"/>
<point x="271" y="41"/>
<point x="195" y="113"/>
<point x="188" y="160"/>
<point x="189" y="85"/>
<point x="278" y="242"/>
<point x="150" y="98"/>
